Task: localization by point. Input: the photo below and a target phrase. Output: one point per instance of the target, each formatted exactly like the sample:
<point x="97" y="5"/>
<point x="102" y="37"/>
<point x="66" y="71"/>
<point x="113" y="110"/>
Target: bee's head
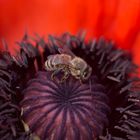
<point x="86" y="73"/>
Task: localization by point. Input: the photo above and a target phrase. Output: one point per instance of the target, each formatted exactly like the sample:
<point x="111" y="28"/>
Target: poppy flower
<point x="35" y="106"/>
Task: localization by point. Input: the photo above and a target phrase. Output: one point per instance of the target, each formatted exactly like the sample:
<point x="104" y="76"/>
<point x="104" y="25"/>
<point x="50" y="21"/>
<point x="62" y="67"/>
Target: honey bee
<point x="58" y="63"/>
<point x="66" y="62"/>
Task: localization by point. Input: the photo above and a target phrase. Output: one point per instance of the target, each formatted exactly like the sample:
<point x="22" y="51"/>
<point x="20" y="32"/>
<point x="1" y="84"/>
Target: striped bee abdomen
<point x="49" y="64"/>
<point x="57" y="61"/>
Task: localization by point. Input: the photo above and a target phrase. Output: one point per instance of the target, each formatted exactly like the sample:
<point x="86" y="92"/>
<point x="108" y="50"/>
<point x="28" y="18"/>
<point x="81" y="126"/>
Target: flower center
<point x="69" y="109"/>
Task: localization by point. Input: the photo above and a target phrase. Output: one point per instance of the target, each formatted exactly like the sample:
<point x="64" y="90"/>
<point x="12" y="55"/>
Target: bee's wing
<point x="51" y="56"/>
<point x="66" y="50"/>
<point x="61" y="47"/>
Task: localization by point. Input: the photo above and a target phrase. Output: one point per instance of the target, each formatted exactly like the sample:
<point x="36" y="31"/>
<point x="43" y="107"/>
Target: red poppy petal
<point x="118" y="20"/>
<point x="125" y="26"/>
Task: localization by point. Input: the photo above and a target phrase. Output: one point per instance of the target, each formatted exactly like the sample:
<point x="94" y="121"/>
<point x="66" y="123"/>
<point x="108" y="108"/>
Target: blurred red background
<point x="115" y="19"/>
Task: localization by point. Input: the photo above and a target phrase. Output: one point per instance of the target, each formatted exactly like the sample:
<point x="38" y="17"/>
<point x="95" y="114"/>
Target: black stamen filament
<point x="105" y="107"/>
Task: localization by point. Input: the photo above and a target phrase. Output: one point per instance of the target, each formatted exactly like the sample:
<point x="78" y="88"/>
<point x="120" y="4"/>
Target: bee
<point x="58" y="63"/>
<point x="65" y="63"/>
<point x="69" y="64"/>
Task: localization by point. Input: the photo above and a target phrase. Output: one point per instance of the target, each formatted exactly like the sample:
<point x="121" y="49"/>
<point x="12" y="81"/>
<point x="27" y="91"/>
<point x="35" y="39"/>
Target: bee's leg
<point x="66" y="75"/>
<point x="55" y="73"/>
